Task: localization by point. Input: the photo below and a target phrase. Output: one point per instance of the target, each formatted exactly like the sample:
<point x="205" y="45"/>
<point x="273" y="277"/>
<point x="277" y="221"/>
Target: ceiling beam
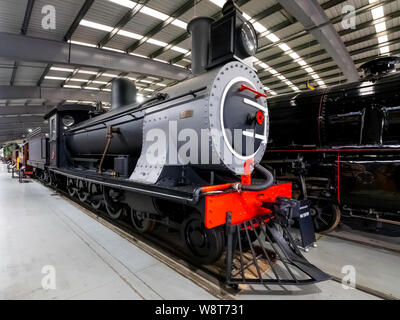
<point x="44" y="73"/>
<point x="180" y="11"/>
<point x="23" y="48"/>
<point x="27" y="17"/>
<point x="329" y="59"/>
<point x="121" y="23"/>
<point x="82" y="12"/>
<point x="52" y="94"/>
<point x="24" y="29"/>
<point x="314" y="19"/>
<point x="14" y="73"/>
<point x="33" y="111"/>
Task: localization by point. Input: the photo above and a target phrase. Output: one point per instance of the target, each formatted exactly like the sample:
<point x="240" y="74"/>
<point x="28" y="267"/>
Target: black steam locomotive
<point x="341" y="146"/>
<point x="147" y="160"/>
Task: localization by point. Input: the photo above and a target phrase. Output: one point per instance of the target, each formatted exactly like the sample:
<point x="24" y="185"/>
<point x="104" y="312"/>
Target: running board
<point x="261" y="252"/>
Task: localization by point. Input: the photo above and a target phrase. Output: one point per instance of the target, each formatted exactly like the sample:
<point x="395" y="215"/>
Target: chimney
<point x="123" y="93"/>
<point x="200" y="28"/>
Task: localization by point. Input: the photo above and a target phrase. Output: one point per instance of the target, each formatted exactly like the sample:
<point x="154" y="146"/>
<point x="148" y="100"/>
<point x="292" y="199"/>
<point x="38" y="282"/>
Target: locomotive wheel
<point x="113" y="207"/>
<point x="206" y="245"/>
<point x="325" y="215"/>
<point x="141" y="221"/>
<point x="95" y="190"/>
<point x="83" y="192"/>
<point x="53" y="180"/>
<point x="71" y="187"/>
<point x="46" y="177"/>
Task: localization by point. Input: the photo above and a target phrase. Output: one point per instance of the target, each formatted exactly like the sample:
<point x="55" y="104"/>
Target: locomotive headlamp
<point x="248" y="38"/>
<point x="68" y="121"/>
<point x="232" y="37"/>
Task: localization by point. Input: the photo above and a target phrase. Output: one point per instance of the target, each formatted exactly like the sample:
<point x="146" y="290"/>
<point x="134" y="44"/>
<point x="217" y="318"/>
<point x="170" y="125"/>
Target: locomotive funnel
<point x="200" y="28"/>
<point x="123" y="93"/>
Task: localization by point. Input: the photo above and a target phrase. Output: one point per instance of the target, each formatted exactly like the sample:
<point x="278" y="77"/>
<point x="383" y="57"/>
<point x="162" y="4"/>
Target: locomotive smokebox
<point x="200" y="28"/>
<point x="123" y="93"/>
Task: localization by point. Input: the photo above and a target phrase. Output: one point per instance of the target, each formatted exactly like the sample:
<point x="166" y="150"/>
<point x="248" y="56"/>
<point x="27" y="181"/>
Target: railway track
<point x="165" y="246"/>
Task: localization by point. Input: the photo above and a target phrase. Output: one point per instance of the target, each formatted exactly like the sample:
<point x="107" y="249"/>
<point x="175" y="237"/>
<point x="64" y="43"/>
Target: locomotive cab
<point x="60" y="119"/>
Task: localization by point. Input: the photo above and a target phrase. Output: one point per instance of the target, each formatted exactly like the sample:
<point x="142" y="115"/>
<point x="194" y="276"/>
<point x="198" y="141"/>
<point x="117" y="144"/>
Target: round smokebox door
<point x="243" y="120"/>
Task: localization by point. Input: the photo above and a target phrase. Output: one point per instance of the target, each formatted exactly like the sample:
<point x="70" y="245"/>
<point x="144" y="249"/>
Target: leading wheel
<point x="325" y="215"/>
<point x="141" y="221"/>
<point x="206" y="245"/>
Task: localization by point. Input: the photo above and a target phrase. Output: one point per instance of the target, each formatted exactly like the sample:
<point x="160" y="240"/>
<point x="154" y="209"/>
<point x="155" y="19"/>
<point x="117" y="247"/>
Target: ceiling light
<point x="154" y="13"/>
<point x="126" y="3"/>
<point x="138" y="55"/>
<point x="281" y="77"/>
<point x="157" y="42"/>
<point x="321" y="83"/>
<point x="380" y="27"/>
<point x="82" y="43"/>
<point x="161" y="84"/>
<point x="384" y="49"/>
<point x="72" y="87"/>
<point x="145" y="81"/>
<point x="309" y="70"/>
<point x="273" y="93"/>
<point x="179" y="24"/>
<point x="95" y="25"/>
<point x="159" y="60"/>
<point x="61" y="69"/>
<point x="259" y="27"/>
<point x="264" y="65"/>
<point x="99" y="82"/>
<point x="246" y="16"/>
<point x="112" y="49"/>
<point x="284" y="47"/>
<point x="78" y="80"/>
<point x="87" y="72"/>
<point x="382" y="39"/>
<point x="315" y="76"/>
<point x="272" y="37"/>
<point x="130" y="34"/>
<point x="110" y="75"/>
<point x="377" y="13"/>
<point x="219" y="3"/>
<point x="302" y="63"/>
<point x="289" y="83"/>
<point x="294" y="55"/>
<point x="178" y="49"/>
<point x="272" y="71"/>
<point x="55" y="78"/>
<point x="91" y="88"/>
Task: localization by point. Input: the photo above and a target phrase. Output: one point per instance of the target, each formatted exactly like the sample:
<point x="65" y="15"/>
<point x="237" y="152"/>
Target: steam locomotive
<point x="341" y="146"/>
<point x="146" y="160"/>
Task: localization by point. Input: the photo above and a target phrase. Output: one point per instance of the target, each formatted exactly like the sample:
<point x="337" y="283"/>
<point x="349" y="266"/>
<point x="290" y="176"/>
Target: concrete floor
<point x="38" y="229"/>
